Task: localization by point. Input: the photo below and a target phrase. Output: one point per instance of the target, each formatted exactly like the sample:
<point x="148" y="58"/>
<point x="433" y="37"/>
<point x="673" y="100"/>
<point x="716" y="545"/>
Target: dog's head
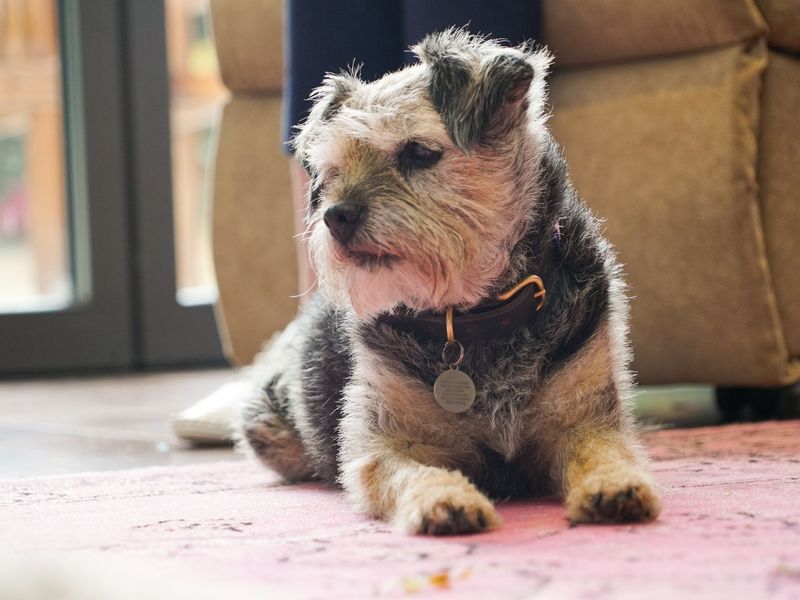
<point x="423" y="181"/>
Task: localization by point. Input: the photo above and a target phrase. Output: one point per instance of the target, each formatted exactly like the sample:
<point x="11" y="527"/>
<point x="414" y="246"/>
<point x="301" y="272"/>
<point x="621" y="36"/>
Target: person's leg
<point x="514" y="20"/>
<point x="323" y="37"/>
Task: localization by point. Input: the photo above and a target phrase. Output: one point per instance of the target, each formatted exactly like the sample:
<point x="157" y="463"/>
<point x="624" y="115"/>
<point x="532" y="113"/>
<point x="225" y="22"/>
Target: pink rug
<point x="730" y="529"/>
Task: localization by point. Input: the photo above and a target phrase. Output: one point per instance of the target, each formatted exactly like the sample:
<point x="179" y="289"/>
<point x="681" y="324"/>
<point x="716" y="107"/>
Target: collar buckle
<point x="540" y="295"/>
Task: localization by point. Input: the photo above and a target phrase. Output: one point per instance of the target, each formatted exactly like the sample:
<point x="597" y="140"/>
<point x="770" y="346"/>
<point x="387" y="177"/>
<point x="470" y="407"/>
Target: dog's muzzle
<point x="343" y="220"/>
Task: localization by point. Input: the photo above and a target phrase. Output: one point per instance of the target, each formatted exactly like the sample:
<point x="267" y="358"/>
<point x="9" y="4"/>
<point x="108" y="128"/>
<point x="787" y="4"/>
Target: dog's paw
<point x="446" y="510"/>
<point x="618" y="496"/>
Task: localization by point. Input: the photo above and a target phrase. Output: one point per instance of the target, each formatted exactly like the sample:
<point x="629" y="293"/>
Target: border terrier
<point x="468" y="339"/>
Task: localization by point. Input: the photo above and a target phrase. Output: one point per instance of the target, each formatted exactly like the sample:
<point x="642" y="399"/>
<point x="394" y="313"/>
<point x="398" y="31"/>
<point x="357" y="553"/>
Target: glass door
<point x="34" y="248"/>
<point x="174" y="99"/>
<point x="65" y="296"/>
<point x="89" y="276"/>
<point x="197" y="96"/>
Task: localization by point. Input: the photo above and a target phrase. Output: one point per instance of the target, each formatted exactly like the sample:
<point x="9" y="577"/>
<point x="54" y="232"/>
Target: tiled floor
<point x="58" y="426"/>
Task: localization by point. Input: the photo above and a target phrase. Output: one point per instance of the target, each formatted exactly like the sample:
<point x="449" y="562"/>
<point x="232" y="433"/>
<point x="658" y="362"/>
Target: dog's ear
<point x="335" y="89"/>
<point x="476" y="85"/>
<point x="327" y="99"/>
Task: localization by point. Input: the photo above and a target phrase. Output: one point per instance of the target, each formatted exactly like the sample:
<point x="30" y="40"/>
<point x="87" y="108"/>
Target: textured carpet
<point x="730" y="529"/>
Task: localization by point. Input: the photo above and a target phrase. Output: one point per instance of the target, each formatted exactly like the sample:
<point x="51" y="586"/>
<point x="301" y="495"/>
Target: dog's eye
<point x="317" y="185"/>
<point x="416" y="156"/>
<point x="314" y="191"/>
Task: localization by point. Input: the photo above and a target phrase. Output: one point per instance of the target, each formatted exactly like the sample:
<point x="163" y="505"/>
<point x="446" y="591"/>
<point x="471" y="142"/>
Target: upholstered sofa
<point x="681" y="122"/>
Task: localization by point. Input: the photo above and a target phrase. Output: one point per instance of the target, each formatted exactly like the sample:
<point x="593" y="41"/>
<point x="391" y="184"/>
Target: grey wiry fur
<point x="349" y="400"/>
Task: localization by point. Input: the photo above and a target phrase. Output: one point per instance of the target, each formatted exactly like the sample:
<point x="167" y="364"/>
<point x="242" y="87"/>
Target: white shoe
<point x="213" y="419"/>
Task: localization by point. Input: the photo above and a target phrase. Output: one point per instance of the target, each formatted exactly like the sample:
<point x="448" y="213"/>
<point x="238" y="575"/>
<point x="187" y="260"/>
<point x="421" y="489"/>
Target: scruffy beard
<point x="372" y="285"/>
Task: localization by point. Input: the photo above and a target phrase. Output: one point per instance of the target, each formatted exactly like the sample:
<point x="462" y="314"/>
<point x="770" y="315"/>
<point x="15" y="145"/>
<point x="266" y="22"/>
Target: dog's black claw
<point x="460" y="520"/>
<point x="457" y="521"/>
<point x="452" y="523"/>
<point x="625" y="506"/>
<point x="442" y="529"/>
<point x="481" y="519"/>
<point x="606" y="512"/>
<point x="425" y="525"/>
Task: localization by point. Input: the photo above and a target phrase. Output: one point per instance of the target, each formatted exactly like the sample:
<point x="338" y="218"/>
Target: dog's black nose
<point x="343" y="220"/>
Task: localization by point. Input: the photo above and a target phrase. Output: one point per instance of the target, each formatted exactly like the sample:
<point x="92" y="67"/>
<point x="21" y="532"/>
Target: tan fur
<point x="605" y="480"/>
<point x="408" y="473"/>
<point x="430" y="500"/>
<point x="566" y="399"/>
<point x="282" y="449"/>
<point x="596" y="456"/>
<point x="416" y="497"/>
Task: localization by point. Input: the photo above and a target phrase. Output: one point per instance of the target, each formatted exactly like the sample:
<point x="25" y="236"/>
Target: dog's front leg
<point x="604" y="477"/>
<point x="398" y="461"/>
<point x="389" y="484"/>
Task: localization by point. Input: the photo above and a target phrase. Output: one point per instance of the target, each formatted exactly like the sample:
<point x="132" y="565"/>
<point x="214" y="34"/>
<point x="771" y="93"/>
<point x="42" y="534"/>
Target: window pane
<point x="34" y="241"/>
<point x="197" y="97"/>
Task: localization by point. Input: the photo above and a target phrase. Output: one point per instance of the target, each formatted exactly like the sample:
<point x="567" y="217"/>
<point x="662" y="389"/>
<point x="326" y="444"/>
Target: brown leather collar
<point x="513" y="309"/>
<point x="485" y="320"/>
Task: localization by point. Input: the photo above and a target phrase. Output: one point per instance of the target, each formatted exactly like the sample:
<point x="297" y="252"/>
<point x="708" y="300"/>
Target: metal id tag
<point x="454" y="391"/>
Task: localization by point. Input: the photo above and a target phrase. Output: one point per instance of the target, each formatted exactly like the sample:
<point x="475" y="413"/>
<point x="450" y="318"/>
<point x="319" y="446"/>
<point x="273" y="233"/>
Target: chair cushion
<point x="255" y="255"/>
<point x="779" y="176"/>
<point x="666" y="150"/>
<point x="595" y="31"/>
<point x="248" y="34"/>
<point x="783" y="18"/>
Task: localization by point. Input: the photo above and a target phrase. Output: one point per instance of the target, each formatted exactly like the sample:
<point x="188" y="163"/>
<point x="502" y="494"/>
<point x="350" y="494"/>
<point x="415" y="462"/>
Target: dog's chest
<point x="504" y="373"/>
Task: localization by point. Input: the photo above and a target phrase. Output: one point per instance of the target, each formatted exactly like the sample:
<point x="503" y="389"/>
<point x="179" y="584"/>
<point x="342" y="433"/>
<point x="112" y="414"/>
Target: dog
<point x="468" y="339"/>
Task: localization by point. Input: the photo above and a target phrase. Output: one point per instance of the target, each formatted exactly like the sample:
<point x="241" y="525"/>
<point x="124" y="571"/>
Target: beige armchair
<point x="679" y="120"/>
<point x="255" y="256"/>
